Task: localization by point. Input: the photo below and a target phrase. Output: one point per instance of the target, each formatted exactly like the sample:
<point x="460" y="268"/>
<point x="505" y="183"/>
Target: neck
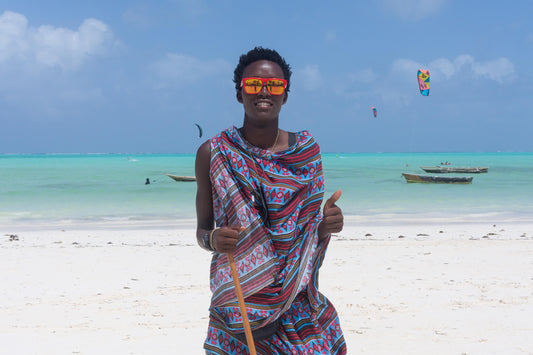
<point x="264" y="137"/>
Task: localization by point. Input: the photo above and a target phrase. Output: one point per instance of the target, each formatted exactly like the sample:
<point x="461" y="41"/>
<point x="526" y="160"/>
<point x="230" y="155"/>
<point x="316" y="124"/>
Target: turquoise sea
<point x="39" y="189"/>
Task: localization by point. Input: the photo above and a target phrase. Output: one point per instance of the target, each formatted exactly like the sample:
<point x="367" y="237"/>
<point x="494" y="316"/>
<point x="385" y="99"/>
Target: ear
<point x="286" y="97"/>
<point x="239" y="96"/>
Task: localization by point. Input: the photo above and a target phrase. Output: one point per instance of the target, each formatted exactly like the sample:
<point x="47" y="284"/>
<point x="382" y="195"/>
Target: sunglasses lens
<point x="276" y="87"/>
<point x="255" y="85"/>
<point x="252" y="86"/>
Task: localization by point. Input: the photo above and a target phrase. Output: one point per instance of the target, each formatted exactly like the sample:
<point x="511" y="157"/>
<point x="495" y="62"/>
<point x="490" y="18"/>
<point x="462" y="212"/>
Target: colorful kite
<point x="423" y="81"/>
<point x="374" y="111"/>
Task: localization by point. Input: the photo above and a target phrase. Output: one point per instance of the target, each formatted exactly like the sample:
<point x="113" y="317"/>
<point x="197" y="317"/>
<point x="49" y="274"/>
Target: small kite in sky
<point x="200" y="132"/>
<point x="423" y="81"/>
<point x="374" y="111"/>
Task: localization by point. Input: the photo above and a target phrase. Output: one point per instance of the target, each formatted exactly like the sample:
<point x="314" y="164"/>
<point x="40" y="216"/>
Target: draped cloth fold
<point x="277" y="262"/>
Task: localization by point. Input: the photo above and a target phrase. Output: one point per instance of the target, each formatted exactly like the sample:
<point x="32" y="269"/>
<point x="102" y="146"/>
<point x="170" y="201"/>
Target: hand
<point x="225" y="238"/>
<point x="333" y="220"/>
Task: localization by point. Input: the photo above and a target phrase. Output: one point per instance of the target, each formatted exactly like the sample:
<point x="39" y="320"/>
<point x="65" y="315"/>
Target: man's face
<point x="263" y="106"/>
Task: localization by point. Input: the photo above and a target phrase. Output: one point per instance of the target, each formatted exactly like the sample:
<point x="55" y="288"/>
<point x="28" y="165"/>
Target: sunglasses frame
<point x="264" y="81"/>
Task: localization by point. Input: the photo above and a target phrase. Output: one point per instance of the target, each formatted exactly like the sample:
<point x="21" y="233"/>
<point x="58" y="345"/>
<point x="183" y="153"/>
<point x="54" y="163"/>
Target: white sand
<point x="405" y="289"/>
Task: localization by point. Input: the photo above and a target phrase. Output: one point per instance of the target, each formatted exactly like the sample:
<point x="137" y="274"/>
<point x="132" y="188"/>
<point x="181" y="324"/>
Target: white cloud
<point x="41" y="67"/>
<point x="52" y="46"/>
<point x="13" y="29"/>
<point x="396" y="86"/>
<point x="497" y="70"/>
<point x="363" y="76"/>
<point x="443" y="65"/>
<point x="405" y="66"/>
<point x="309" y="77"/>
<point x="462" y="60"/>
<point x="413" y="10"/>
<point x="175" y="69"/>
<point x="448" y="68"/>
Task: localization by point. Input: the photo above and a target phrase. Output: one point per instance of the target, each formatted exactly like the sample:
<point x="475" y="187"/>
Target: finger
<point x="332" y="211"/>
<point x="225" y="243"/>
<point x="237" y="227"/>
<point x="333" y="218"/>
<point x="229" y="237"/>
<point x="333" y="221"/>
<point x="334" y="226"/>
<point x="334" y="198"/>
<point x="223" y="236"/>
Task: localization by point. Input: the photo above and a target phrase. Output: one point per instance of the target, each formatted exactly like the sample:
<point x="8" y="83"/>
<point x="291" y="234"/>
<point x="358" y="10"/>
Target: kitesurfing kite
<point x="200" y="132"/>
<point x="374" y="111"/>
<point x="423" y="81"/>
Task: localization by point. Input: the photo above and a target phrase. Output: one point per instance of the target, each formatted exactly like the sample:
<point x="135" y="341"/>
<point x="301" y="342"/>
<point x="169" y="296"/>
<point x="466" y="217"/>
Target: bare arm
<point x="204" y="199"/>
<point x="226" y="237"/>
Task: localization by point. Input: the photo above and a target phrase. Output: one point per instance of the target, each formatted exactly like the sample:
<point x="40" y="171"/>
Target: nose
<point x="264" y="90"/>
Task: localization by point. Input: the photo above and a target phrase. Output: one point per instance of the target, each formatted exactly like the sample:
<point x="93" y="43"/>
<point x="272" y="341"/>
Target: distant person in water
<point x="147" y="182"/>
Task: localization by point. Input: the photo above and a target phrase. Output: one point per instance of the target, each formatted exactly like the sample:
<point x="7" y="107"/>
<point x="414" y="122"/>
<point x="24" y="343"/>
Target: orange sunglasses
<point x="275" y="86"/>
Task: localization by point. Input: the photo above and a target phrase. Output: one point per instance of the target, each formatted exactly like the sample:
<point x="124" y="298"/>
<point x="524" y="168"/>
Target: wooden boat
<point x="181" y="178"/>
<point x="454" y="169"/>
<point x="438" y="179"/>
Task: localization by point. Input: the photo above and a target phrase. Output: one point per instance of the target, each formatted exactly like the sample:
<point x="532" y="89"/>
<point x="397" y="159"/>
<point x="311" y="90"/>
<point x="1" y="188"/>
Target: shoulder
<point x="306" y="139"/>
<point x="204" y="149"/>
<point x="203" y="154"/>
<point x="304" y="135"/>
<point x="203" y="159"/>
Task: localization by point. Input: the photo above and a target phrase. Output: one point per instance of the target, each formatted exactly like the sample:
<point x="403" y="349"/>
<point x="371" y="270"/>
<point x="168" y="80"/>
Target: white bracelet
<point x="211" y="241"/>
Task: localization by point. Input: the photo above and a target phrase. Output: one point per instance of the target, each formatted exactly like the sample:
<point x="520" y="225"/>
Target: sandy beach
<point x="399" y="289"/>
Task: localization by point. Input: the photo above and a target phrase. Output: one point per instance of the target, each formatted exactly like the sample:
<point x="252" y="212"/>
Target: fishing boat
<point x="181" y="177"/>
<point x="452" y="169"/>
<point x="438" y="179"/>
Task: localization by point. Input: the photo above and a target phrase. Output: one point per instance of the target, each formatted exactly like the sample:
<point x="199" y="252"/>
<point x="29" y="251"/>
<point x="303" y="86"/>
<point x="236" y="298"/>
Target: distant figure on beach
<point x="147" y="182"/>
<point x="264" y="187"/>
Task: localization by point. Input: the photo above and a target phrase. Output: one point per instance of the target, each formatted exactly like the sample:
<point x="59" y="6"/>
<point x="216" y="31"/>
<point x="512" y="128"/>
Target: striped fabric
<point x="277" y="265"/>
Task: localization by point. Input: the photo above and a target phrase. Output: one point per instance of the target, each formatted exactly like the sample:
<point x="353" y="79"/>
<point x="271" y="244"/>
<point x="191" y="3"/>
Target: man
<point x="263" y="187"/>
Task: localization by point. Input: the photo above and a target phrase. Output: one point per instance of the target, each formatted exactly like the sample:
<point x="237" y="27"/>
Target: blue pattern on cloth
<point x="277" y="265"/>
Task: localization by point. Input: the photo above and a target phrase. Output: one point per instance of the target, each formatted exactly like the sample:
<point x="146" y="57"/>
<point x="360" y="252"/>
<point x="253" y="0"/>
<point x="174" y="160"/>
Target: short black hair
<point x="260" y="53"/>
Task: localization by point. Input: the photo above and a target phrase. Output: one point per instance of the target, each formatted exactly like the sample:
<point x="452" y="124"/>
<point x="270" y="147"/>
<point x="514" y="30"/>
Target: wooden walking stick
<point x="244" y="314"/>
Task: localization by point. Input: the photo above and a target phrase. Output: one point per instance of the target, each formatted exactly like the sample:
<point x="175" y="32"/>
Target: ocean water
<point x="94" y="188"/>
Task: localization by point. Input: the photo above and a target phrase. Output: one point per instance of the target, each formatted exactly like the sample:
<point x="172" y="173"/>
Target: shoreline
<point x="178" y="233"/>
<point x="350" y="221"/>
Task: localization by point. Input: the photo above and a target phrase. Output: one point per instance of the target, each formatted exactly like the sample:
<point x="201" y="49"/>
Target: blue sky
<point x="134" y="76"/>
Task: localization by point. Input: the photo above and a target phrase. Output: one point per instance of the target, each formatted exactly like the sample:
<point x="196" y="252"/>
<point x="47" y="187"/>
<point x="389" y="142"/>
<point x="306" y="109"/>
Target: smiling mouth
<point x="263" y="104"/>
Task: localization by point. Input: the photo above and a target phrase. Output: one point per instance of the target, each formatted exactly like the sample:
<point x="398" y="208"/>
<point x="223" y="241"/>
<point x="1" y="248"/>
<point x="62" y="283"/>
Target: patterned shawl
<point x="276" y="263"/>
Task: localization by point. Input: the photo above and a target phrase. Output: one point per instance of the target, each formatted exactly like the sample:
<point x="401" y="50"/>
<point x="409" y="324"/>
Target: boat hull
<point x="415" y="178"/>
<point x="181" y="178"/>
<point x="450" y="169"/>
